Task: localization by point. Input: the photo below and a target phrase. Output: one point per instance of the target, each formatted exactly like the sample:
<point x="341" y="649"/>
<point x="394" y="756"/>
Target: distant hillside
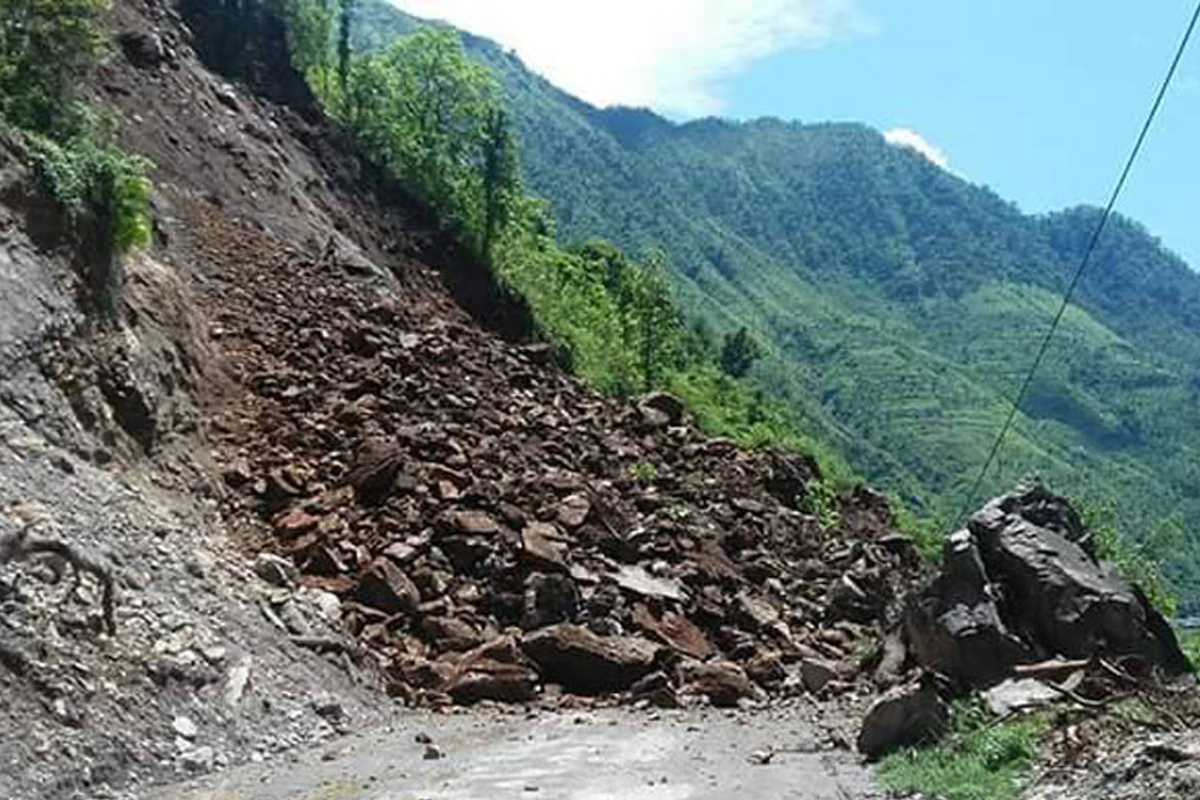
<point x="901" y="303"/>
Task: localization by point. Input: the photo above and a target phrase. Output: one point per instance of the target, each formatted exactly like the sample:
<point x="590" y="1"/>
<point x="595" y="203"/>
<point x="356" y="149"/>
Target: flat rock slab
<point x="591" y="756"/>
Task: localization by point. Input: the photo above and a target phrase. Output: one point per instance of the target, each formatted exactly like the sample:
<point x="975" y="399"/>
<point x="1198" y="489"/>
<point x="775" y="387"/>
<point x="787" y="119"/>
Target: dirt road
<point x="766" y="755"/>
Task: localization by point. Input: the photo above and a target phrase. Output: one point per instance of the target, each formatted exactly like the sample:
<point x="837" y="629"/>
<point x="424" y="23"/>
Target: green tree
<point x="345" y="43"/>
<point x="45" y="48"/>
<point x="653" y="322"/>
<point x="501" y="177"/>
<point x="431" y="116"/>
<point x="739" y="351"/>
<point x="310" y="32"/>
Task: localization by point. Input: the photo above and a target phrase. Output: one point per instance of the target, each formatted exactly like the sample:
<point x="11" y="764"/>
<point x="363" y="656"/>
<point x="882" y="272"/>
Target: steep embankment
<point x="102" y="448"/>
<point x="294" y="373"/>
<point x="903" y="304"/>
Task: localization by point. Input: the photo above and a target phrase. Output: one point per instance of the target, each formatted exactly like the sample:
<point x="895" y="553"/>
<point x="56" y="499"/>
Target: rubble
<point x="448" y="503"/>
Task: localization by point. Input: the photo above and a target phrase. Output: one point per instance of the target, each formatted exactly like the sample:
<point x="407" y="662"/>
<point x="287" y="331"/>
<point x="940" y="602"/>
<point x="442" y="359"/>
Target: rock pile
<point x="1021" y="584"/>
<point x="1020" y="594"/>
<point x="493" y="528"/>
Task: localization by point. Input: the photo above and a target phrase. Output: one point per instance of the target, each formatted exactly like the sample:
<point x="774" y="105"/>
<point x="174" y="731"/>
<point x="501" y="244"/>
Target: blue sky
<point x="1039" y="99"/>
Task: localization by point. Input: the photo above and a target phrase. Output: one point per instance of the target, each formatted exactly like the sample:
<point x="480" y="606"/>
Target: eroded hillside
<point x="315" y="476"/>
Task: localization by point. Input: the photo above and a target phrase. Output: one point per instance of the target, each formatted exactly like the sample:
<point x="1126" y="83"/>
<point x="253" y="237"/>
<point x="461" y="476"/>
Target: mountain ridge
<point x="901" y="304"/>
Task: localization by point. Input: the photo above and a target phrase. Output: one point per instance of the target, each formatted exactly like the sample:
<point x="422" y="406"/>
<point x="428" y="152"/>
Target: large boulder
<point x="498" y="671"/>
<point x="1020" y="584"/>
<point x="580" y="661"/>
<point x="722" y="682"/>
<point x="385" y="586"/>
<point x="1071" y="605"/>
<point x="954" y="626"/>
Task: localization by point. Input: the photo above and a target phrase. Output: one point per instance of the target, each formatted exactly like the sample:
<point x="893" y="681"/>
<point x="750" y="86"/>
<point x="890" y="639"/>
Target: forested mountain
<point x="901" y="304"/>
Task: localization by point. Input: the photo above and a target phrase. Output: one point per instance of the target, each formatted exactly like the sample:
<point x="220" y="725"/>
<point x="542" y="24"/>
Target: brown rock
<point x="385" y="586"/>
<point x="539" y="546"/>
<point x="766" y="669"/>
<point x="573" y="511"/>
<point x="450" y="634"/>
<point x="472" y="523"/>
<point x="722" y="682"/>
<point x="423" y="673"/>
<point x="656" y="687"/>
<point x="373" y="473"/>
<point x="817" y="673"/>
<point x="497" y="670"/>
<point x="673" y="630"/>
<point x="492" y="680"/>
<point x="583" y="662"/>
<point x="294" y="522"/>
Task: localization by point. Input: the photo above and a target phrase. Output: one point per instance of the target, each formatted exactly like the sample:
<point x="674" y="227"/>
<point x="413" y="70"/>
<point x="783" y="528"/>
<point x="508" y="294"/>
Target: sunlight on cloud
<point x="671" y="55"/>
<point x="906" y="137"/>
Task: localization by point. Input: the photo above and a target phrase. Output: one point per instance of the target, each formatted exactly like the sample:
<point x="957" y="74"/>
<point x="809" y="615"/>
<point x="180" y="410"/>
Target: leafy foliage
<point x="46" y="47"/>
<point x="100" y="183"/>
<point x="1189" y="641"/>
<point x="820" y="500"/>
<point x="1137" y="561"/>
<point x="739" y="351"/>
<point x="978" y="760"/>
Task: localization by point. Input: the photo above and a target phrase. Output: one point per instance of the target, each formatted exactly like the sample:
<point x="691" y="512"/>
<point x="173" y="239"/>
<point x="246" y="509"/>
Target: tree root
<point x="20" y="547"/>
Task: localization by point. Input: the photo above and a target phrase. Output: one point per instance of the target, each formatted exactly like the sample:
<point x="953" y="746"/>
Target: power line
<point x="1087" y="255"/>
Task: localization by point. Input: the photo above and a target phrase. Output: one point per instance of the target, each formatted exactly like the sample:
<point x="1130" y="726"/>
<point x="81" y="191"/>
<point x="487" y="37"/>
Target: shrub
<point x="1137" y="561"/>
<point x="980" y="759"/>
<point x="100" y="186"/>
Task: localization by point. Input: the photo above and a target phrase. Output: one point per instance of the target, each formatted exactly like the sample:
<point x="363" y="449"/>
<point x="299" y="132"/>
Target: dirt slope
<point x="454" y="518"/>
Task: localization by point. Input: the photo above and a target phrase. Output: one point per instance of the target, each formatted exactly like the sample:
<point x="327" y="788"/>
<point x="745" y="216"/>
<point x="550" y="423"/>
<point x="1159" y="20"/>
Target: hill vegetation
<point x="898" y="304"/>
<point x="45" y="49"/>
<point x="438" y="122"/>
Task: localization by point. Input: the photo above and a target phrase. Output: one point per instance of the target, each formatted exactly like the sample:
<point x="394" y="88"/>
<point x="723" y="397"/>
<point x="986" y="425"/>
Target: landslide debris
<point x="492" y="526"/>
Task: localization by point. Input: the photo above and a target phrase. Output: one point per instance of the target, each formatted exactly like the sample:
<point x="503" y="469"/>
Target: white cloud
<point x="907" y="137"/>
<point x="671" y="55"/>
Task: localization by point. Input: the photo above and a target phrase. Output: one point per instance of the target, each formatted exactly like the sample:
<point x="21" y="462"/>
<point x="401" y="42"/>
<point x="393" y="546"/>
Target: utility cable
<point x="1087" y="255"/>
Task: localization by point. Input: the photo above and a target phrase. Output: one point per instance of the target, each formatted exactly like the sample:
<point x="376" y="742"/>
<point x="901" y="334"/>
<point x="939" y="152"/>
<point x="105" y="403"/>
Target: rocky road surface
<point x="685" y="755"/>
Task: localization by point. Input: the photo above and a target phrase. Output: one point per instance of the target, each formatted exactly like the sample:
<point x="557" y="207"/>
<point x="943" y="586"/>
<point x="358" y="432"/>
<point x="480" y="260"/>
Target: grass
<point x="1189" y="640"/>
<point x="820" y="500"/>
<point x="979" y="760"/>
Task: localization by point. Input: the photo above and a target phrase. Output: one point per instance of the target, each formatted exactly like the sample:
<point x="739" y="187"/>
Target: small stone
<point x="294" y="523"/>
<point x="214" y="655"/>
<point x="573" y="511"/>
<point x="423" y="738"/>
<point x="329" y="707"/>
<point x="198" y="760"/>
<point x="235" y="685"/>
<point x="433" y="753"/>
<point x="275" y="570"/>
<point x="185" y="727"/>
<point x="816" y="674"/>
